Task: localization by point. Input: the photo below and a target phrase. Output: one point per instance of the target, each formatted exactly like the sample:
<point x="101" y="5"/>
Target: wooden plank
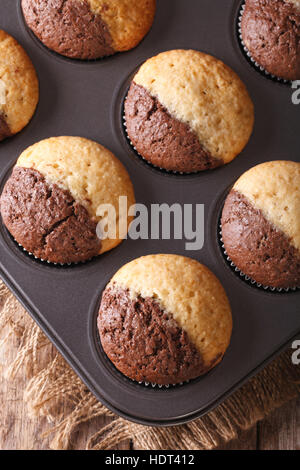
<point x="17" y="431"/>
<point x="281" y="430"/>
<point x="247" y="441"/>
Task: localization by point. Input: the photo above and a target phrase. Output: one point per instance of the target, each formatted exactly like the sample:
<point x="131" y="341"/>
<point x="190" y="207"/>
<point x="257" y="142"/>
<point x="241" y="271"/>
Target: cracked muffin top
<point x="51" y="204"/>
<point x="164" y="319"/>
<point x="187" y="111"/>
<point x="19" y="87"/>
<point x="89" y="29"/>
<point x="261" y="224"/>
<point x="271" y="33"/>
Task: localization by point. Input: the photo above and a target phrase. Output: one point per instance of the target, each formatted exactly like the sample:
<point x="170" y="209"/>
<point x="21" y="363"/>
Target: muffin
<point x="164" y="319"/>
<point x="53" y="202"/>
<point x="19" y="87"/>
<point x="271" y="33"/>
<point x="187" y="111"/>
<point x="261" y="224"/>
<point x="89" y="29"/>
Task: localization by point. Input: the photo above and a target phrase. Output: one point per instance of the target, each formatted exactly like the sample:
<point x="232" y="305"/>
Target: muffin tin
<point x="86" y="99"/>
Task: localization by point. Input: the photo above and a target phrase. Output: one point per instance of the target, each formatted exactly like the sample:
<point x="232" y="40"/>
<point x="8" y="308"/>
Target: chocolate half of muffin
<point x="160" y="138"/>
<point x="145" y="343"/>
<point x="271" y="34"/>
<point x="69" y="28"/>
<point x="46" y="220"/>
<point x="260" y="224"/>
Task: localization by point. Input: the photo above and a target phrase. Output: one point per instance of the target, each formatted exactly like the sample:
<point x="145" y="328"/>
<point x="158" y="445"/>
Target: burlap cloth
<point x="56" y="392"/>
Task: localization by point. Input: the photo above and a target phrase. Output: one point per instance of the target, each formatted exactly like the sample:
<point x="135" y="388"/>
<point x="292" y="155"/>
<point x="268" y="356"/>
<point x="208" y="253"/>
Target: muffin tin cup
<point x="248" y="279"/>
<point x="247" y="53"/>
<point x="65" y="301"/>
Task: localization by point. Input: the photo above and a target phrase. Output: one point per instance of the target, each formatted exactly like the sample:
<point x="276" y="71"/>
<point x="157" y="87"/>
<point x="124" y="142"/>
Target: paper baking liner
<point x="250" y="59"/>
<point x="49" y="263"/>
<point x="158" y="386"/>
<point x="245" y="277"/>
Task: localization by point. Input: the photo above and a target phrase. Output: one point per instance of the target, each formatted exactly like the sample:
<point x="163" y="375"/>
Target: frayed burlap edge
<point x="56" y="392"/>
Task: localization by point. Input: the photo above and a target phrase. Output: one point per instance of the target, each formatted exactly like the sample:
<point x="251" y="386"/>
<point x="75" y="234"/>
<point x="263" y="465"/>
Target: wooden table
<point x="281" y="431"/>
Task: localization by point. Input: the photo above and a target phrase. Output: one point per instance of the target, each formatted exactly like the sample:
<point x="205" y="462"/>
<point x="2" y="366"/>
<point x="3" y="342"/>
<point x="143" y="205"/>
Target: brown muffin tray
<point x="86" y="99"/>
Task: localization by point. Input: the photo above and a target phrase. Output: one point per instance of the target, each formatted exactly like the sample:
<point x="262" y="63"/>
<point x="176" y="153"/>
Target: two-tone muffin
<point x="51" y="204"/>
<point x="164" y="319"/>
<point x="187" y="111"/>
<point x="89" y="29"/>
<point x="270" y="31"/>
<point x="261" y="224"/>
<point x="19" y="87"/>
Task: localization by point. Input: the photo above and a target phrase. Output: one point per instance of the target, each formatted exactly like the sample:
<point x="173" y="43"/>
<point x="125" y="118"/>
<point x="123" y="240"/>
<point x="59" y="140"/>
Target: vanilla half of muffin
<point x="164" y="319"/>
<point x="261" y="224"/>
<point x="19" y="87"/>
<point x="51" y="202"/>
